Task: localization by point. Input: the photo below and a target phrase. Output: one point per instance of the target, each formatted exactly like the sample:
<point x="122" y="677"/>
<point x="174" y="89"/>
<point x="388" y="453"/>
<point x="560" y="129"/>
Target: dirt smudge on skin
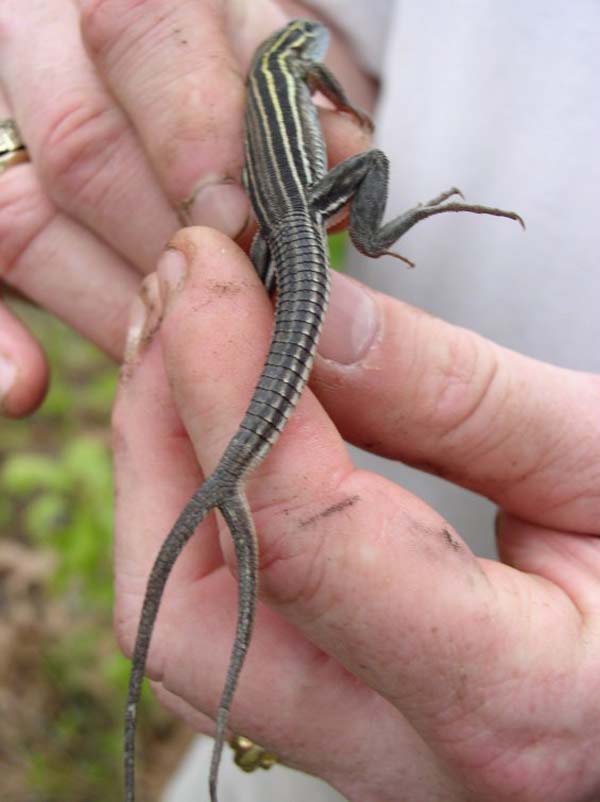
<point x="328" y="511"/>
<point x="225" y="287"/>
<point x="450" y="539"/>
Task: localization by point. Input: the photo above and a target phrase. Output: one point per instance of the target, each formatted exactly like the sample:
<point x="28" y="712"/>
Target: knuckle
<point x="75" y="149"/>
<point x="93" y="23"/>
<point x="305" y="576"/>
<point x="102" y="21"/>
<point x="115" y="29"/>
<point x="205" y="129"/>
<point x="296" y="571"/>
<point x="24" y="214"/>
<point x="454" y="395"/>
<point x="206" y="100"/>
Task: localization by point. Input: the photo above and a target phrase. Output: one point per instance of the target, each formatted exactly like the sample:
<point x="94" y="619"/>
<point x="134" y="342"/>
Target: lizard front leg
<point x="319" y="78"/>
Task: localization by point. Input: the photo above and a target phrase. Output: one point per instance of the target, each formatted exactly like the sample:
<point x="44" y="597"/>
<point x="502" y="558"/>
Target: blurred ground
<point x="62" y="679"/>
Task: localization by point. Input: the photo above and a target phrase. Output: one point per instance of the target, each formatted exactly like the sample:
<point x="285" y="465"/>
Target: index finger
<point x="522" y="432"/>
<point x="173" y="69"/>
<point x="363" y="569"/>
<point x="179" y="72"/>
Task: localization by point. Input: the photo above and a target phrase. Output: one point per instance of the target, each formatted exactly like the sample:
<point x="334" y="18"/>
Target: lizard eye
<point x="310" y="39"/>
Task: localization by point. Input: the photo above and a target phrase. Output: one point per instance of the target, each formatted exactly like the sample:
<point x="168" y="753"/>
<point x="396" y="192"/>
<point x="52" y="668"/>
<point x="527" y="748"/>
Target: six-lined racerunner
<point x="294" y="198"/>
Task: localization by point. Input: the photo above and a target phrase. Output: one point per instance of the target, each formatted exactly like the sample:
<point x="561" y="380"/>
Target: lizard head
<point x="301" y="41"/>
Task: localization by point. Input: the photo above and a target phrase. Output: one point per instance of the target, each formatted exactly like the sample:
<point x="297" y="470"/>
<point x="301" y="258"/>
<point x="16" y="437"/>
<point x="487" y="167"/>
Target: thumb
<point x="414" y="388"/>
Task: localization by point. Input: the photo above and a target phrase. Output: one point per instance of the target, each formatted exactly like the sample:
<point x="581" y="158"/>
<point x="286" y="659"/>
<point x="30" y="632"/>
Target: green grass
<point x="338" y="245"/>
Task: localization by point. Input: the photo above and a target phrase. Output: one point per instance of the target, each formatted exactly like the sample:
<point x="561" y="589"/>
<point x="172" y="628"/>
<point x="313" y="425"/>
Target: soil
<point x="32" y="621"/>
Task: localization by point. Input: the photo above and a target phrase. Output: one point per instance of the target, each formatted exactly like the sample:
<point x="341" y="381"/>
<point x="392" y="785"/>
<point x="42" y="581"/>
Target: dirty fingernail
<point x="144" y="317"/>
<point x="218" y="204"/>
<point x="172" y="270"/>
<point x="351" y="324"/>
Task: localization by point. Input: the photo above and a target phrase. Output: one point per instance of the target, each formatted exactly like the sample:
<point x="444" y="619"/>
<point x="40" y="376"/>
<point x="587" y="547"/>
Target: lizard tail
<point x="233" y="506"/>
<point x="239" y="520"/>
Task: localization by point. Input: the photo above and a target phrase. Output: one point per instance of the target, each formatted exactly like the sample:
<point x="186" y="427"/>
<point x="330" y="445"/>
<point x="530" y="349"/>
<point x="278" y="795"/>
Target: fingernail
<point x="351" y="324"/>
<point x="8" y="374"/>
<point x="218" y="204"/>
<point x="144" y="317"/>
<point x="171" y="270"/>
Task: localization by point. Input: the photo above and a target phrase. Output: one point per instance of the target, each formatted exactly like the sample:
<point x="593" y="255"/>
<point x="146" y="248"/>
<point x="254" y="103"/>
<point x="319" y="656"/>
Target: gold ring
<point x="12" y="148"/>
<point x="250" y="756"/>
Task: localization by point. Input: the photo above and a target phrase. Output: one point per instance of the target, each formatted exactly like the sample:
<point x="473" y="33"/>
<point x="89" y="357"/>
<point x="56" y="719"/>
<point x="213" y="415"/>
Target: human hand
<point x="386" y="658"/>
<point x="23" y="369"/>
<point x="133" y="115"/>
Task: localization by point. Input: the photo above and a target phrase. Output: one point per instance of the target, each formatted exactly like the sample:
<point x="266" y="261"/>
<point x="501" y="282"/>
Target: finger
<point x="183" y="710"/>
<point x="414" y="388"/>
<point x="155" y="470"/>
<point x="23" y="368"/>
<point x="60" y="265"/>
<point x="365" y="571"/>
<point x="306" y="489"/>
<point x="172" y="68"/>
<point x="81" y="143"/>
<point x="570" y="561"/>
<point x="228" y="287"/>
<point x="179" y="71"/>
<point x="286" y="686"/>
<point x="155" y="473"/>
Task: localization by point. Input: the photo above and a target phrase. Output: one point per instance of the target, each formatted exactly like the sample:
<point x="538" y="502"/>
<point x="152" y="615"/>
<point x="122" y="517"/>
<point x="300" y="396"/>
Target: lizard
<point x="294" y="196"/>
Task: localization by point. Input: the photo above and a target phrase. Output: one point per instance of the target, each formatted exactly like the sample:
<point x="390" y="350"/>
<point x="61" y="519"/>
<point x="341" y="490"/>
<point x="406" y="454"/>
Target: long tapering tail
<point x="303" y="288"/>
<point x="233" y="506"/>
<point x="239" y="520"/>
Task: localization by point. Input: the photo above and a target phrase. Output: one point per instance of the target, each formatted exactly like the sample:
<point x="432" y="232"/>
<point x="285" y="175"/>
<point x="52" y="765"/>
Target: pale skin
<point x="386" y="658"/>
<point x="124" y="121"/>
